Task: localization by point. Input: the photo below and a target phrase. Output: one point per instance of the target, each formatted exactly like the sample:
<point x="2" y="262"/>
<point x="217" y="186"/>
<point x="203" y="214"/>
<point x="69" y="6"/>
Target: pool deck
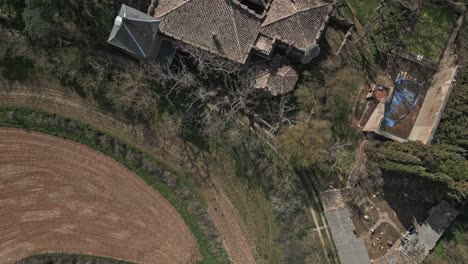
<point x="436" y="98"/>
<point x="434" y="104"/>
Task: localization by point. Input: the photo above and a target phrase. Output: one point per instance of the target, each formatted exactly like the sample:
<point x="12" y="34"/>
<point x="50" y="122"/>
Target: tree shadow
<point x="16" y="68"/>
<point x="408" y="200"/>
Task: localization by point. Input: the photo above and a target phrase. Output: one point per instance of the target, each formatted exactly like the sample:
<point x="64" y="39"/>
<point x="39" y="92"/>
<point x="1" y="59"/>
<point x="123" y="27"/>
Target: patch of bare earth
<point x="225" y="218"/>
<point x="60" y="196"/>
<point x="378" y="243"/>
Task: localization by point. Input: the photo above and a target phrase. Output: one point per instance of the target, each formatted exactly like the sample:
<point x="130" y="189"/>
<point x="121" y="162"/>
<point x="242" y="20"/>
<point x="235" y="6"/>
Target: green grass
<point x="314" y="244"/>
<point x="38" y="121"/>
<point x="257" y="215"/>
<point x="365" y="9"/>
<point x="431" y="31"/>
<point x="334" y="38"/>
<point x="237" y="178"/>
<point x="344" y="10"/>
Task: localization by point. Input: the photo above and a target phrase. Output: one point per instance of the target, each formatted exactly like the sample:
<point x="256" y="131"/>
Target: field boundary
<point x="180" y="205"/>
<point x="177" y="155"/>
<point x="69" y="255"/>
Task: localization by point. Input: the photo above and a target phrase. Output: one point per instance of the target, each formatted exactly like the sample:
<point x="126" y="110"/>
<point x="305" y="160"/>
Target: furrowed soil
<point x="60" y="196"/>
<point x="220" y="208"/>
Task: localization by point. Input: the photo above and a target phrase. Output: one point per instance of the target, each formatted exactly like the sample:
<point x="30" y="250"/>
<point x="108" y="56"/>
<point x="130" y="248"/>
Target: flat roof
<point x="350" y="249"/>
<point x="420" y="244"/>
<point x="264" y="43"/>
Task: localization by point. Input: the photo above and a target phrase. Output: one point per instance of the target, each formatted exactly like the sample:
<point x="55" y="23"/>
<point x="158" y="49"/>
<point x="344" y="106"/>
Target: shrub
<point x="306" y="144"/>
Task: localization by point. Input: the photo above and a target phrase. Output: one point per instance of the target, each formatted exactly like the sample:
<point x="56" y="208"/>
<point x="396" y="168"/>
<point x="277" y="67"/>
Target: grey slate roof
<point x="419" y="245"/>
<point x="350" y="249"/>
<point x="135" y="32"/>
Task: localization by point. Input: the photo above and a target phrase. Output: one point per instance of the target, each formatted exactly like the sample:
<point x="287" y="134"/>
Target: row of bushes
<point x="63" y="258"/>
<point x="80" y="62"/>
<point x="440" y="170"/>
<point x="453" y="128"/>
<point x="177" y="188"/>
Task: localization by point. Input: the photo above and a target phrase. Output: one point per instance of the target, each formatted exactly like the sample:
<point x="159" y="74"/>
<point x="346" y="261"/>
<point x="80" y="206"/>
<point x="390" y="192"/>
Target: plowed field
<point x="60" y="196"/>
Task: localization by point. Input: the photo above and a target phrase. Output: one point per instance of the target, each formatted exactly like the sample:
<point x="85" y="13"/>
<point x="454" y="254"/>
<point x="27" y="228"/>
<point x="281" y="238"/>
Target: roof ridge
<point x="235" y="29"/>
<point x="293" y="14"/>
<point x="176" y="7"/>
<point x="300" y="22"/>
<point x="134" y="40"/>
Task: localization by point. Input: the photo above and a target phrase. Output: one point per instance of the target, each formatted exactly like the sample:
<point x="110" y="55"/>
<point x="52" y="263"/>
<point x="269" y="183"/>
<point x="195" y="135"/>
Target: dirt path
<point x="327" y="232"/>
<point x="61" y="196"/>
<point x="52" y="100"/>
<point x="227" y="221"/>
<point x="315" y="214"/>
<point x="360" y="162"/>
<point x="226" y="218"/>
<point x="319" y="232"/>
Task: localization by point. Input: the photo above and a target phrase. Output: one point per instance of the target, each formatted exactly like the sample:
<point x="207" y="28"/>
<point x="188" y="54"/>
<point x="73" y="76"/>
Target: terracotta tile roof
<point x="300" y="28"/>
<point x="166" y="6"/>
<point x="281" y="9"/>
<point x="262" y="79"/>
<point x="195" y="22"/>
<point x="277" y="81"/>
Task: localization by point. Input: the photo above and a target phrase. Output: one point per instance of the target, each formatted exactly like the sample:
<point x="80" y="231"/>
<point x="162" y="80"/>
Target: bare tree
<point x="211" y="92"/>
<point x="392" y="24"/>
<point x="131" y="92"/>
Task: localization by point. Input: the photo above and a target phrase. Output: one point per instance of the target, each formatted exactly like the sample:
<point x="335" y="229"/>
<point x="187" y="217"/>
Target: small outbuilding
<point x="136" y="33"/>
<point x="277" y="81"/>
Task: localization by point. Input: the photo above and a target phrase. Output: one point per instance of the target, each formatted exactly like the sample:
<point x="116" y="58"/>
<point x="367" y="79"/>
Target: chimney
<point x="217" y="43"/>
<point x="214" y="35"/>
